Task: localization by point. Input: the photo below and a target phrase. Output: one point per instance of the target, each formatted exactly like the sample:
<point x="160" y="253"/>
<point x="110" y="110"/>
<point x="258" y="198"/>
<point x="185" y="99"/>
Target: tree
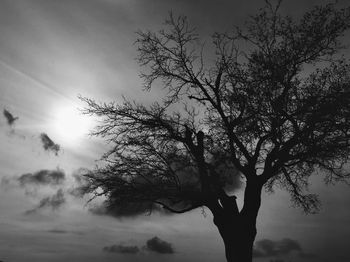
<point x="269" y="107"/>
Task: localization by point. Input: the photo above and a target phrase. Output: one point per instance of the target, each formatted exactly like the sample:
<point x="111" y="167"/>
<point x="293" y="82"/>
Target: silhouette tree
<point x="271" y="108"/>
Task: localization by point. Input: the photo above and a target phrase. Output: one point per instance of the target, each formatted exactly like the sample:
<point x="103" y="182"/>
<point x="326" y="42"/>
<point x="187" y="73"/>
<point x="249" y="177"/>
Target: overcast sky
<point x="50" y="52"/>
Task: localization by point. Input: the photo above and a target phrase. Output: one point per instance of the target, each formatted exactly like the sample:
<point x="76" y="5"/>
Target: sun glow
<point x="70" y="125"/>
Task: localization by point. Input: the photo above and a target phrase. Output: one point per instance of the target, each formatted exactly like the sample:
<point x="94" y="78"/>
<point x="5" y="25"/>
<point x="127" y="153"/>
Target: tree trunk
<point x="239" y="247"/>
<point x="238" y="236"/>
<point x="238" y="229"/>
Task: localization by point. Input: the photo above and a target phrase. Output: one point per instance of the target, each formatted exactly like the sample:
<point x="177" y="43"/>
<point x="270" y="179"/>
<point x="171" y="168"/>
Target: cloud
<point x="128" y="209"/>
<point x="189" y="195"/>
<point x="62" y="231"/>
<point x="58" y="231"/>
<point x="121" y="249"/>
<point x="82" y="185"/>
<point x="154" y="244"/>
<point x="157" y="245"/>
<point x="79" y="191"/>
<point x="271" y="248"/>
<point x="48" y="144"/>
<point x="54" y="202"/>
<point x="9" y="117"/>
<point x="10" y="120"/>
<point x="43" y="177"/>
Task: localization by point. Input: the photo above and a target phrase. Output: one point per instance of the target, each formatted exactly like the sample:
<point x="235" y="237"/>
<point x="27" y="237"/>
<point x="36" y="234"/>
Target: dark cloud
<point x="10" y="120"/>
<point x="110" y="208"/>
<point x="48" y="144"/>
<point x="188" y="196"/>
<point x="128" y="209"/>
<point x="157" y="245"/>
<point x="62" y="231"/>
<point x="9" y="117"/>
<point x="43" y="177"/>
<point x="154" y="244"/>
<point x="54" y="202"/>
<point x="271" y="248"/>
<point x="122" y="249"/>
<point x="58" y="231"/>
<point x="132" y="207"/>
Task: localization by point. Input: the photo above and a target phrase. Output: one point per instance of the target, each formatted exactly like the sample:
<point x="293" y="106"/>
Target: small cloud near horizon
<point x="157" y="245"/>
<point x="63" y="231"/>
<point x="121" y="249"/>
<point x="272" y="248"/>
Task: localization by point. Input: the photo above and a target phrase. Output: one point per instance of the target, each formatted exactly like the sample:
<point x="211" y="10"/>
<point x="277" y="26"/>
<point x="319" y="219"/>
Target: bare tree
<point x="271" y="106"/>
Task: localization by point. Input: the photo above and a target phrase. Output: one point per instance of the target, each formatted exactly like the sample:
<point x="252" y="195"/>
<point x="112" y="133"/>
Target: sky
<point x="53" y="51"/>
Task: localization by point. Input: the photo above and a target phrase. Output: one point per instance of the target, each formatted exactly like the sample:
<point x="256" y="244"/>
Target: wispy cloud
<point x="54" y="202"/>
<point x="81" y="186"/>
<point x="43" y="177"/>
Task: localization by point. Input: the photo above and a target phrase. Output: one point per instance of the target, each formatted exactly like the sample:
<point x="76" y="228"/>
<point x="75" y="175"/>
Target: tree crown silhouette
<point x="270" y="107"/>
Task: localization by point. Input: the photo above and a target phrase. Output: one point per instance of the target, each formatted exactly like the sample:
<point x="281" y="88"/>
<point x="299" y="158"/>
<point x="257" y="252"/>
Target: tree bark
<point x="238" y="237"/>
<point x="238" y="229"/>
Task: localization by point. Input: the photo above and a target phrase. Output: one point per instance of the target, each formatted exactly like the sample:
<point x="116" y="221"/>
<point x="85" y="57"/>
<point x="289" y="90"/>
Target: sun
<point x="70" y="125"/>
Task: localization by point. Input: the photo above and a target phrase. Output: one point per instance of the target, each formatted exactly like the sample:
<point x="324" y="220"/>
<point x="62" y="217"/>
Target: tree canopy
<point x="271" y="106"/>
